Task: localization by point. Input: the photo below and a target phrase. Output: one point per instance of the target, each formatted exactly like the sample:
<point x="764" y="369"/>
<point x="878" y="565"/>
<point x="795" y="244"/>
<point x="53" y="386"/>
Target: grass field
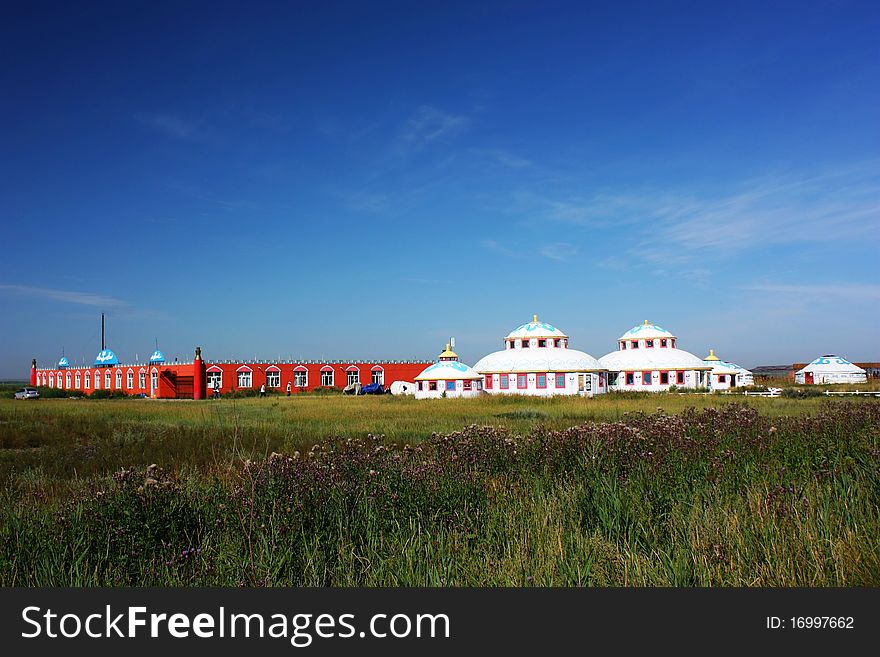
<point x="619" y="490"/>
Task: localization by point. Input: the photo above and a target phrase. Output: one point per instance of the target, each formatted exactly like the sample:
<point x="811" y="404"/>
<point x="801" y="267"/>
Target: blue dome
<point x="106" y="357"/>
<point x="157" y="357"/>
<point x="63" y="363"/>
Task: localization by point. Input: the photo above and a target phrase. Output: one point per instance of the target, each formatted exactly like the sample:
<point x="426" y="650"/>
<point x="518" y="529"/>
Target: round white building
<point x="727" y="375"/>
<point x="831" y="369"/>
<point x="648" y="360"/>
<point x="536" y="361"/>
<point x="448" y="378"/>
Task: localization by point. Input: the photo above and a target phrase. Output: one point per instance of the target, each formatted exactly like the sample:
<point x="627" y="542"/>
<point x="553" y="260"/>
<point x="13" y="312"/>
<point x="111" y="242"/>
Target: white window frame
<point x="378" y="376"/>
<point x="214" y="379"/>
<point x="273" y="378"/>
<point x="108" y="380"/>
<point x="300" y="378"/>
<point x="67" y="380"/>
<point x="154" y="380"/>
<point x="88" y="381"/>
<point x="97" y="380"/>
<point x="245" y="378"/>
<point x="352" y="377"/>
<point x="129" y="379"/>
<point x="51" y="379"/>
<point x="327" y="378"/>
<point x="142" y="379"/>
<point x="78" y="379"/>
<point x="118" y="379"/>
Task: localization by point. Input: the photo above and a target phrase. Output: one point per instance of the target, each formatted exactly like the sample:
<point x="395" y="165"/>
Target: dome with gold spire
<point x="448" y="377"/>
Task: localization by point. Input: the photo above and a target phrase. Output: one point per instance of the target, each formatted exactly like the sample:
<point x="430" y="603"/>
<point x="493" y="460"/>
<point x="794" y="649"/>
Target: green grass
<point x="385" y="491"/>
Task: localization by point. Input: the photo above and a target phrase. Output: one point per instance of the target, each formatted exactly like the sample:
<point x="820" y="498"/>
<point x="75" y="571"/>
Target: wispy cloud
<point x="560" y="251"/>
<point x="170" y="124"/>
<point x="430" y="124"/>
<point x="497" y="247"/>
<point x="675" y="227"/>
<point x="843" y="292"/>
<point x="66" y="296"/>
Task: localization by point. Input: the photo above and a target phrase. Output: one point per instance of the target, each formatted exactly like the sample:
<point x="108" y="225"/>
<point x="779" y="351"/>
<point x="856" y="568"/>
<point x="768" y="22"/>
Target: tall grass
<point x="709" y="496"/>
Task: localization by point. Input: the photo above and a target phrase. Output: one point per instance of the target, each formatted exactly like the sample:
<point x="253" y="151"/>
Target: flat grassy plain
<point x="386" y="491"/>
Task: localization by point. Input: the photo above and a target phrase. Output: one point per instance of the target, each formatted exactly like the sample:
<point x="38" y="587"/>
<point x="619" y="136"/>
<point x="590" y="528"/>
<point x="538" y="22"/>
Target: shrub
<point x="802" y="393"/>
<point x="108" y="394"/>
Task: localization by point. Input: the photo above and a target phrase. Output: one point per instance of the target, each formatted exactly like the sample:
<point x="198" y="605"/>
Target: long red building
<point x="199" y="378"/>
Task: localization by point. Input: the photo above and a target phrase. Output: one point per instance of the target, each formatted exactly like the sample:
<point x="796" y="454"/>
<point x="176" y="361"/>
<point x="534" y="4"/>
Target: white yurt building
<point x="831" y="369"/>
<point x="648" y="360"/>
<point x="725" y="375"/>
<point x="536" y="361"/>
<point x="448" y="378"/>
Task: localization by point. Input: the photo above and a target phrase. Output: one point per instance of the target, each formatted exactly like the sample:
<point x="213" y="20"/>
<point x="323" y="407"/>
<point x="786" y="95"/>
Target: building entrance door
<point x="808" y="377"/>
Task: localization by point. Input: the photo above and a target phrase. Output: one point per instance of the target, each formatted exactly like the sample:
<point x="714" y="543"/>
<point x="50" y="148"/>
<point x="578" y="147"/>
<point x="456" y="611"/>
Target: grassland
<point x="308" y="490"/>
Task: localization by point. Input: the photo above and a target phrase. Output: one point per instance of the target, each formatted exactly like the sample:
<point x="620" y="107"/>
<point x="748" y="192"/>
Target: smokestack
<point x="102" y="332"/>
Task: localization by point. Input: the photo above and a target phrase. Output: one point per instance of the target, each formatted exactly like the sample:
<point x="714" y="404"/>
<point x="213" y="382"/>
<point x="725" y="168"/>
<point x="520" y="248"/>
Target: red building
<point x="198" y="379"/>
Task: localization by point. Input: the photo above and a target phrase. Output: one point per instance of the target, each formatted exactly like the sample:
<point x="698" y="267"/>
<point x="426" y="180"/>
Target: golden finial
<point x="646" y="322"/>
<point x="711" y="355"/>
<point x="535" y="318"/>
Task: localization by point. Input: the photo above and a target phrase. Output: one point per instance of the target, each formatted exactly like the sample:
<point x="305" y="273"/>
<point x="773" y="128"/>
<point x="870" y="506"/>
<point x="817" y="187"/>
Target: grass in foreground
<point x="712" y="496"/>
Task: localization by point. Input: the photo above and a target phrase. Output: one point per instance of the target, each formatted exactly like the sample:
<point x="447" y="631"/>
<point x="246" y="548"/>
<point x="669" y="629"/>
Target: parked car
<point x="27" y="393"/>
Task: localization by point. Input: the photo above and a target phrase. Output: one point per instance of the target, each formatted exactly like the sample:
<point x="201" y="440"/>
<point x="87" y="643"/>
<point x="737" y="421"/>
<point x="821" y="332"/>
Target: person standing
<point x="288" y="388"/>
<point x="263" y="390"/>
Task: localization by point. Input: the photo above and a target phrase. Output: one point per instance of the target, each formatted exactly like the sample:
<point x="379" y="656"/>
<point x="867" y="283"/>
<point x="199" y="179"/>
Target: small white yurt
<point x="831" y="369"/>
<point x="448" y="378"/>
<point x="648" y="360"/>
<point x="536" y="361"/>
<point x="725" y="375"/>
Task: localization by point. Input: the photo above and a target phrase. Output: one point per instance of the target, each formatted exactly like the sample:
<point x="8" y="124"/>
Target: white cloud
<point x="561" y="251"/>
<point x="171" y="125"/>
<point x="843" y="292"/>
<point x="66" y="296"/>
<point x="429" y="124"/>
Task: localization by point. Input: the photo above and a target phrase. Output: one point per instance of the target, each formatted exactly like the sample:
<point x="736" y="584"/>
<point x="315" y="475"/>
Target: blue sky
<point x="363" y="180"/>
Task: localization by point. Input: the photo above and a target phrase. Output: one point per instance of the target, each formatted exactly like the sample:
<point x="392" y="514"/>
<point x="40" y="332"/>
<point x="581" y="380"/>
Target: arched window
<point x="215" y="378"/>
<point x="273" y="376"/>
<point x="97" y="380"/>
<point x="51" y="379"/>
<point x="142" y="378"/>
<point x="107" y="380"/>
<point x="352" y="375"/>
<point x="67" y="380"/>
<point x="88" y="381"/>
<point x="78" y="379"/>
<point x="378" y="374"/>
<point x="129" y="379"/>
<point x="327" y="376"/>
<point x="118" y="379"/>
<point x="245" y="377"/>
<point x="300" y="376"/>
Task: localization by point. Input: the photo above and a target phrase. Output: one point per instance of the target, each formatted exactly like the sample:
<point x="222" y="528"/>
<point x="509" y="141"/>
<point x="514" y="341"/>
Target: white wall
<point x="426" y="392"/>
<point x="594" y="384"/>
<point x="691" y="380"/>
